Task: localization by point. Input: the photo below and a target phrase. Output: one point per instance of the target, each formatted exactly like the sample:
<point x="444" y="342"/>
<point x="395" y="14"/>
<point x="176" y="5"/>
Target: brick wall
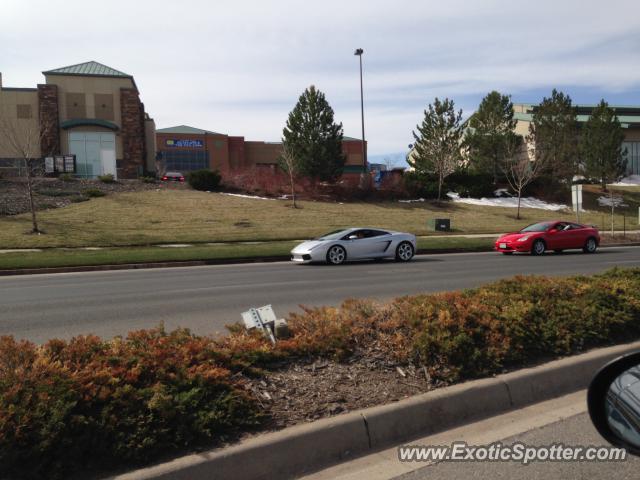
<point x="48" y="119"/>
<point x="132" y="133"/>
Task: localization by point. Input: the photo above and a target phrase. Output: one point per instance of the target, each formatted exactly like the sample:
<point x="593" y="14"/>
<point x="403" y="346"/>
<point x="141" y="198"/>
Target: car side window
<point x="576" y="226"/>
<point x="355" y="235"/>
<point x="378" y="233"/>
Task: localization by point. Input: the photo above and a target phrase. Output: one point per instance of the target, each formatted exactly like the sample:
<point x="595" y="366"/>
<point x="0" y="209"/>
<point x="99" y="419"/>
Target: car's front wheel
<point x="538" y="247"/>
<point x="336" y="255"/>
<point x="590" y="246"/>
<point x="404" y="252"/>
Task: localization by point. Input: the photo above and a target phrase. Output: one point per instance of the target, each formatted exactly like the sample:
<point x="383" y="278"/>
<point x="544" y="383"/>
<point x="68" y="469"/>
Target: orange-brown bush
<point x="87" y="403"/>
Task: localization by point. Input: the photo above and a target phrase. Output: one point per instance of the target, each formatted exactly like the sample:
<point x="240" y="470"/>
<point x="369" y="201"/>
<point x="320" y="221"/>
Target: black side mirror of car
<point x="613" y="399"/>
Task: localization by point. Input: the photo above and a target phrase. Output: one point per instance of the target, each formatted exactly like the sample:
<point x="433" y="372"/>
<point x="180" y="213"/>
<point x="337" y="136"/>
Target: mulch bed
<point x="305" y="392"/>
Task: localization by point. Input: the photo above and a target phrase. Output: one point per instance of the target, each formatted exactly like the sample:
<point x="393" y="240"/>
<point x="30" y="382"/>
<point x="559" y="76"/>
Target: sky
<point x="238" y="67"/>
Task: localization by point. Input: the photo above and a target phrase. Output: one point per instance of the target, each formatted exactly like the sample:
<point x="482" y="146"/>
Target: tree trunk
<point x="612" y="207"/>
<point x="293" y="189"/>
<point x="519" y="197"/>
<point x="32" y="205"/>
<point x="439" y="188"/>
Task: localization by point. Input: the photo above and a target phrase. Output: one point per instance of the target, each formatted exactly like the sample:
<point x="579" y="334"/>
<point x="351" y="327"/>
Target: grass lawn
<point x="174" y="216"/>
<point x="117" y="256"/>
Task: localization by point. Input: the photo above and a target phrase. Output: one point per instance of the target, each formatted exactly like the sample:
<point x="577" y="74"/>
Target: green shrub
<point x="67" y="177"/>
<point x="108" y="178"/>
<point x="94" y="193"/>
<point x="204" y="180"/>
<point x="465" y="184"/>
<point x="148" y="179"/>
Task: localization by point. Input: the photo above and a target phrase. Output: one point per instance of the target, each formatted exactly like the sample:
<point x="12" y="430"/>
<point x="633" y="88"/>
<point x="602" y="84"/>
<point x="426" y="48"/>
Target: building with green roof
<point x="88" y="111"/>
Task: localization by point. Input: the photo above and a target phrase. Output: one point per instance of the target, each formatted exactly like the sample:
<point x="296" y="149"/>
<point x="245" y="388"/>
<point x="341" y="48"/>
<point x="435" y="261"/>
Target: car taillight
<point x="165" y="178"/>
<point x="182" y="179"/>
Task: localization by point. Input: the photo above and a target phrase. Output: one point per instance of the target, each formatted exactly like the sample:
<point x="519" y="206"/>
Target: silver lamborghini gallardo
<point x="356" y="244"/>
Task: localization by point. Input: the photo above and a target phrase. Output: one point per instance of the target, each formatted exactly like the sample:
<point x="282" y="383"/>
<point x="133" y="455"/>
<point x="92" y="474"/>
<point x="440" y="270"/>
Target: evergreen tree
<point x="601" y="145"/>
<point x="491" y="129"/>
<point x="438" y="142"/>
<point x="313" y="139"/>
<point x="554" y="132"/>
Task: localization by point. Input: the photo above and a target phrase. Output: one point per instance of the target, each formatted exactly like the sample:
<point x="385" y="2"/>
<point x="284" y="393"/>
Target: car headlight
<point x="523" y="239"/>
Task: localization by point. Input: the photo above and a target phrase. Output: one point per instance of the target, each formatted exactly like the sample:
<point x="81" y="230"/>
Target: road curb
<point x="305" y="448"/>
<point x="224" y="261"/>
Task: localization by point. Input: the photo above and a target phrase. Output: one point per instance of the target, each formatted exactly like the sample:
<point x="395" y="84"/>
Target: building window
<point x="24" y="111"/>
<point x="185" y="160"/>
<point x="633" y="157"/>
<point x="103" y="106"/>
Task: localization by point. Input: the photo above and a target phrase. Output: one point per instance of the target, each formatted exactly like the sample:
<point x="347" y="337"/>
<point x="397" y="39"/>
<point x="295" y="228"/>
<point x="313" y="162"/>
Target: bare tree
<point x="289" y="164"/>
<point x="23" y="139"/>
<point x="390" y="163"/>
<point x="518" y="167"/>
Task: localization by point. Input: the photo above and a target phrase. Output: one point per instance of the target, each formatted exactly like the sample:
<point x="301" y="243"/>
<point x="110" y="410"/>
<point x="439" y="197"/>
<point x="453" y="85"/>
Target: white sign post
<point x="263" y="319"/>
<point x="576" y="199"/>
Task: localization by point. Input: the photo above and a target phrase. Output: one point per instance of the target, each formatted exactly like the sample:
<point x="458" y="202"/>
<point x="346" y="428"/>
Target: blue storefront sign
<point x="184" y="143"/>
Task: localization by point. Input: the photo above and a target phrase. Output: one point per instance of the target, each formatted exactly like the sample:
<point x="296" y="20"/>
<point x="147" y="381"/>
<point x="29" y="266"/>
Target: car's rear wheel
<point x="538" y="247"/>
<point x="404" y="252"/>
<point x="590" y="246"/>
<point x="336" y="255"/>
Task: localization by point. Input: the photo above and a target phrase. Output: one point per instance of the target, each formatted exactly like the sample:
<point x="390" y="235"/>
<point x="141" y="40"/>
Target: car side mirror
<point x="613" y="399"/>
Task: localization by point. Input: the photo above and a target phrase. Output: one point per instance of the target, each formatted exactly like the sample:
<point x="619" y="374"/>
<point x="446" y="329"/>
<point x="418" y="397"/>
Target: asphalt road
<point x="39" y="307"/>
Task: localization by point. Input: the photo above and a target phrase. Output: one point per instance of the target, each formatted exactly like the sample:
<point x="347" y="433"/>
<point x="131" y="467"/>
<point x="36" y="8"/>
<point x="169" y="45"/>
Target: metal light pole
<point x="359" y="53"/>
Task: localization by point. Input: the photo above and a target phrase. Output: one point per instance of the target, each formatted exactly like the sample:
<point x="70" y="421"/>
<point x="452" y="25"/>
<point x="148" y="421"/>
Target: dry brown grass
<point x="172" y="216"/>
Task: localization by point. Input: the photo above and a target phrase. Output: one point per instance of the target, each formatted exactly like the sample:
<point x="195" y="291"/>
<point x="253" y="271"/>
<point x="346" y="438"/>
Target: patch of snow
<point x="607" y="201"/>
<point x="175" y="245"/>
<point x="240" y="195"/>
<point x="20" y="250"/>
<point x="502" y="192"/>
<point x="630" y="181"/>
<point x="510" y="202"/>
<point x="412" y="201"/>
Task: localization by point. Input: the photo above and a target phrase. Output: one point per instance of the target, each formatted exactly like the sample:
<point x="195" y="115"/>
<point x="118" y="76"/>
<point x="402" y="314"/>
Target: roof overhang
<point x="88" y="122"/>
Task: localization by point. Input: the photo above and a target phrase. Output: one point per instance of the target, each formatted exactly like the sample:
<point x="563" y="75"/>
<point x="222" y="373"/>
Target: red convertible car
<point x="556" y="235"/>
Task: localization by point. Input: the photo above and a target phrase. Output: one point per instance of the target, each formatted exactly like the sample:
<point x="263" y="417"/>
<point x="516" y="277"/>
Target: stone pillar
<point x="132" y="133"/>
<point x="48" y="118"/>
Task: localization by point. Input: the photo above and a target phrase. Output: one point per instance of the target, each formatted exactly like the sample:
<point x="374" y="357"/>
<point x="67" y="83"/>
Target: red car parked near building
<point x="555" y="235"/>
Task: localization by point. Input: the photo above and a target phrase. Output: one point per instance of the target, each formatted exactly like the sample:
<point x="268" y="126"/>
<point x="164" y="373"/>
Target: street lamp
<point x="359" y="53"/>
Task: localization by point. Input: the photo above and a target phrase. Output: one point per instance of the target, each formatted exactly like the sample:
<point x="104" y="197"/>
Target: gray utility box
<point x="439" y="224"/>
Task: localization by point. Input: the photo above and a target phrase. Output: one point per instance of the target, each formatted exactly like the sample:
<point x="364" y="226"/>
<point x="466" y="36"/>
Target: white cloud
<point x="239" y="67"/>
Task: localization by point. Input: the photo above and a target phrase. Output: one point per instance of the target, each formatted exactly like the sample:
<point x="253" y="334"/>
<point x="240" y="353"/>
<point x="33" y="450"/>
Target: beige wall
<point x="89" y="86"/>
<point x="27" y="130"/>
